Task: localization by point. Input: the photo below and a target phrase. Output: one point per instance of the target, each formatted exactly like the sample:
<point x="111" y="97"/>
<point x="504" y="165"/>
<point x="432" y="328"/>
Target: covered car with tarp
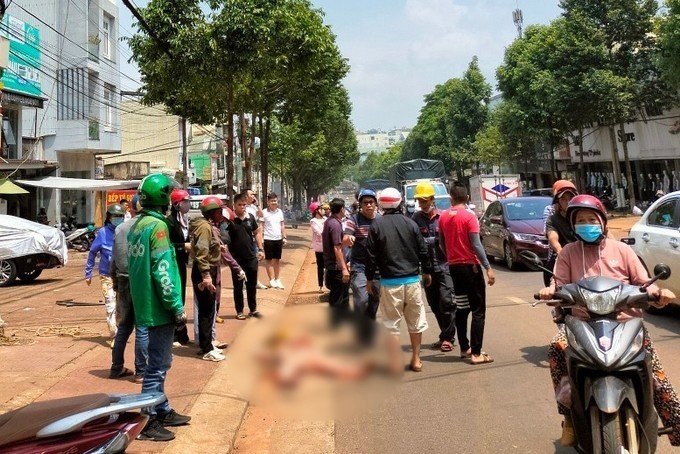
<point x="27" y="248"/>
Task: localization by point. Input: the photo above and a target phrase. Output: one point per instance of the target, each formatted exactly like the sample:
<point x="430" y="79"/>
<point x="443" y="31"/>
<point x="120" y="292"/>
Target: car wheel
<point x="507" y="254"/>
<point x="30" y="275"/>
<point x="8" y="272"/>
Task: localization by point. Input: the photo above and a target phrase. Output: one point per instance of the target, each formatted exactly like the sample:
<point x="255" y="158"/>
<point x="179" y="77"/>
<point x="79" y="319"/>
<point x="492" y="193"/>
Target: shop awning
<point x="9" y="188"/>
<point x="79" y="184"/>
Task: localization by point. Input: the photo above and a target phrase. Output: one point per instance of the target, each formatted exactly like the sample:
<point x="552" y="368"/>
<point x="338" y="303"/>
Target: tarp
<point x="7" y="187"/>
<point x="82" y="184"/>
<point x="416" y="169"/>
<point x="20" y="237"/>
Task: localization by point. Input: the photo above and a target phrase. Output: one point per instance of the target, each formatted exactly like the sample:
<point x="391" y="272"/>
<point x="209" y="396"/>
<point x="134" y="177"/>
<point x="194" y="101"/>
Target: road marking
<point x="516" y="300"/>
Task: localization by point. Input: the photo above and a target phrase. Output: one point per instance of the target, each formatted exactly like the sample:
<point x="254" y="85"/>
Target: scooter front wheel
<point x="613" y="433"/>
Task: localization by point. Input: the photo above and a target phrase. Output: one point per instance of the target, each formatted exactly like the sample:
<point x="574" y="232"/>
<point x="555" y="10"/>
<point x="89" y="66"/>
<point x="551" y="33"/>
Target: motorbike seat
<point x="25" y="422"/>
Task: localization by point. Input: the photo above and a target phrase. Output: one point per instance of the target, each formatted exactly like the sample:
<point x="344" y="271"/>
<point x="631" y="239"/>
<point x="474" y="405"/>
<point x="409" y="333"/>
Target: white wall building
<point x="80" y="84"/>
<point x="379" y="142"/>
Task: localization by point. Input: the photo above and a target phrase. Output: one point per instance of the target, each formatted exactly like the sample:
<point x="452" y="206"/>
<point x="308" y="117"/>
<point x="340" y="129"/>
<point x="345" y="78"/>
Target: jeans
<point x="206" y="308"/>
<point x="440" y="298"/>
<point x="319" y="267"/>
<point x="364" y="304"/>
<point x="126" y="323"/>
<point x="339" y="296"/>
<point x="160" y="359"/>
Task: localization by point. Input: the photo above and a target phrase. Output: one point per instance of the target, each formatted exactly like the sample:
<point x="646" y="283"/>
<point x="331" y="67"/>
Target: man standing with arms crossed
<point x="459" y="235"/>
<point x="156" y="297"/>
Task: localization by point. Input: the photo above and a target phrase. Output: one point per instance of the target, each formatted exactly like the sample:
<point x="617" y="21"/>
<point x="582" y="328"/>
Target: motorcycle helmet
<point x="135" y="203"/>
<point x="367" y="193"/>
<point x="154" y="190"/>
<point x="177" y="195"/>
<point x="115" y="209"/>
<point x="562" y="186"/>
<point x="390" y="198"/>
<point x="313" y="207"/>
<point x="424" y="190"/>
<point x="586" y="201"/>
<point x="228" y="213"/>
<point x="211" y="203"/>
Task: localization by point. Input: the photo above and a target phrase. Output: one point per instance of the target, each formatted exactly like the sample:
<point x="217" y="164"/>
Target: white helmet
<point x="389" y="198"/>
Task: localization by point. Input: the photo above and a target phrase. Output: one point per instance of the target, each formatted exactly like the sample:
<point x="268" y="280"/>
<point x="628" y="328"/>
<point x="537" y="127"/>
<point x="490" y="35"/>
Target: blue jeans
<point x="364" y="304"/>
<point x="126" y="323"/>
<point x="160" y="359"/>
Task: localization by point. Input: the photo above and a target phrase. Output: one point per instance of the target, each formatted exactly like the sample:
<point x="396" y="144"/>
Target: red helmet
<point x="228" y="213"/>
<point x="313" y="207"/>
<point x="588" y="202"/>
<point x="562" y="186"/>
<point x="177" y="195"/>
<point x="211" y="203"/>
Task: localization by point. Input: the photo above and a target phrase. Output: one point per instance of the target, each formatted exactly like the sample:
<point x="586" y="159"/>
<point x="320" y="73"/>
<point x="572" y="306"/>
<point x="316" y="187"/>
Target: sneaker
<point x="214" y="355"/>
<point x="154" y="431"/>
<point x="273" y="284"/>
<point x="240" y="316"/>
<point x="261" y="286"/>
<point x="172" y="419"/>
<point x="255" y="314"/>
<point x="279" y="284"/>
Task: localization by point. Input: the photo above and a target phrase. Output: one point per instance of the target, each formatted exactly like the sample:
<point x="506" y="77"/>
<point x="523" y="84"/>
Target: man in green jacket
<point x="155" y="287"/>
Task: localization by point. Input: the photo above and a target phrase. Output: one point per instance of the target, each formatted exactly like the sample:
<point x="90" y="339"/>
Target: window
<point x="71" y="97"/>
<point x="107" y="28"/>
<point x="664" y="215"/>
<point x="108" y="105"/>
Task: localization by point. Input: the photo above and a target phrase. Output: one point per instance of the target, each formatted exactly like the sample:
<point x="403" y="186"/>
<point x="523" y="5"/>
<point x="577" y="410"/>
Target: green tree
<point x="668" y="32"/>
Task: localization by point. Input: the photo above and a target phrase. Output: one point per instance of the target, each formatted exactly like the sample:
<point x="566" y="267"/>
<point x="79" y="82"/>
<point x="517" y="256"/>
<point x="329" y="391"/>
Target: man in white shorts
<point x="397" y="250"/>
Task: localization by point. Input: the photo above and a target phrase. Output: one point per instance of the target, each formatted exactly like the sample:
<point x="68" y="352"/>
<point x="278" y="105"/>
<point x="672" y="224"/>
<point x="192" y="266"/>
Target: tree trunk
<point x="615" y="162"/>
<point x="251" y="151"/>
<point x="185" y="155"/>
<point x="243" y="142"/>
<point x="629" y="171"/>
<point x="265" y="131"/>
<point x="229" y="167"/>
<point x="581" y="173"/>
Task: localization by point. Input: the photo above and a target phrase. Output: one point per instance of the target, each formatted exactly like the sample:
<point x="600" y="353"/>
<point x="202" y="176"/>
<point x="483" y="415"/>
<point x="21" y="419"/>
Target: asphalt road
<point x="503" y="407"/>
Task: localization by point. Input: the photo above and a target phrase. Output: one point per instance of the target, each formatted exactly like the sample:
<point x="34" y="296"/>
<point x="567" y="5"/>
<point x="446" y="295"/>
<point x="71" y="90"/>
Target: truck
<point x="485" y="189"/>
<point x="406" y="175"/>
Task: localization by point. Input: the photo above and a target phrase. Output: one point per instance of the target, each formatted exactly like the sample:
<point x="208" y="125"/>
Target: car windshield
<point x="526" y="210"/>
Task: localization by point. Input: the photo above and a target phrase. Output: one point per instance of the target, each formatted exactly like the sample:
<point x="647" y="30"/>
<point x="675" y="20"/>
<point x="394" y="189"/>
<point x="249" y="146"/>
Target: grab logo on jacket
<point x="166" y="281"/>
<point x="136" y="250"/>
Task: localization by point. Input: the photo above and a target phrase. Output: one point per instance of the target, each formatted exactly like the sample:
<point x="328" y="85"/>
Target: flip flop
<point x="466" y="354"/>
<point x="446" y="346"/>
<point x="122" y="374"/>
<point x="485" y="359"/>
<point x="415" y="368"/>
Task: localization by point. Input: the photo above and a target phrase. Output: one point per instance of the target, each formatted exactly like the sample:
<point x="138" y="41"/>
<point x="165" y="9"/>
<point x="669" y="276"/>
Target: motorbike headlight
<point x="600" y="303"/>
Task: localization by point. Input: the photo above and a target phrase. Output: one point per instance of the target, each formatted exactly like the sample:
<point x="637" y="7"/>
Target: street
<point x="451" y="406"/>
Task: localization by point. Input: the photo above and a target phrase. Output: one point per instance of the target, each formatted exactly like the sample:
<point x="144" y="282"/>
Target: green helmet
<point x="154" y="190"/>
<point x="115" y="210"/>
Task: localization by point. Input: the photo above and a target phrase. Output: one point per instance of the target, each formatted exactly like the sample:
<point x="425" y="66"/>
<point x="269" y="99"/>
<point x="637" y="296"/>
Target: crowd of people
<point x="153" y="239"/>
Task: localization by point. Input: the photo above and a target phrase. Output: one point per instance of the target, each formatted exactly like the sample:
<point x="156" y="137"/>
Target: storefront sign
<point x="117" y="195"/>
<point x="23" y="73"/>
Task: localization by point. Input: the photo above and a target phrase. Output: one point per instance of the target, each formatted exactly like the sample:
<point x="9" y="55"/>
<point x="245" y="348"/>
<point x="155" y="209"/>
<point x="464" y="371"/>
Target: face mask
<point x="116" y="221"/>
<point x="588" y="232"/>
<point x="184" y="206"/>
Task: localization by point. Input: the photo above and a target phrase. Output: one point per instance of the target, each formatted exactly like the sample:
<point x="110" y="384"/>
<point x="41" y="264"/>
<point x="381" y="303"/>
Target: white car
<point x="656" y="238"/>
<point x="27" y="248"/>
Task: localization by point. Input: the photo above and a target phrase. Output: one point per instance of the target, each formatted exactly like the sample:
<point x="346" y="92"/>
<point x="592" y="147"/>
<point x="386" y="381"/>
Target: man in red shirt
<point x="459" y="237"/>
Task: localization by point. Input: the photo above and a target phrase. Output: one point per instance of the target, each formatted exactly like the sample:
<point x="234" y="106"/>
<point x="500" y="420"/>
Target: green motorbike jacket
<point x="155" y="284"/>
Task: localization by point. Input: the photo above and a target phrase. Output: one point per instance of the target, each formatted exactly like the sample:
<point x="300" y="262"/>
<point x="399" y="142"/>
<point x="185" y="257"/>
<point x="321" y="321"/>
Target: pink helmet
<point x="313" y="207"/>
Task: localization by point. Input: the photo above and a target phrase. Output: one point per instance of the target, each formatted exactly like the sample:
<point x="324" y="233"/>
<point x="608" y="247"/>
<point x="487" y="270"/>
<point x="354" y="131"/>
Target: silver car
<point x="656" y="238"/>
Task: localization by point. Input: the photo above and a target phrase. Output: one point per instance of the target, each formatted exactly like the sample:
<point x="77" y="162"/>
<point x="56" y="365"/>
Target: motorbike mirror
<point x="662" y="271"/>
<point x="530" y="258"/>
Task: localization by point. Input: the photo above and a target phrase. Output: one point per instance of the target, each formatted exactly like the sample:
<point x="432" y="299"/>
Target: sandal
<point x="240" y="316"/>
<point x="446" y="346"/>
<point x="485" y="359"/>
<point x="466" y="354"/>
<point x="415" y="368"/>
<point x="125" y="372"/>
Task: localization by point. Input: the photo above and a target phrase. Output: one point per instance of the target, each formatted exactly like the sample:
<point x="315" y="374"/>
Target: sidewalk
<point x="67" y="363"/>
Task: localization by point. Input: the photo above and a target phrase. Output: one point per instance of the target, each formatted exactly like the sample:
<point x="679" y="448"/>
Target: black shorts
<point x="272" y="249"/>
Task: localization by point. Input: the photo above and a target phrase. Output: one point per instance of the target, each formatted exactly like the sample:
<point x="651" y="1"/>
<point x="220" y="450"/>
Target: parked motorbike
<point x="609" y="370"/>
<point x="93" y="423"/>
<point x="81" y="239"/>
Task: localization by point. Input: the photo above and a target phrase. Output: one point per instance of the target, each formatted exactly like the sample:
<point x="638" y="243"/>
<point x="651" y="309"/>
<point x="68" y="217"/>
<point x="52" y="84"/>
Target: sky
<point x="399" y="50"/>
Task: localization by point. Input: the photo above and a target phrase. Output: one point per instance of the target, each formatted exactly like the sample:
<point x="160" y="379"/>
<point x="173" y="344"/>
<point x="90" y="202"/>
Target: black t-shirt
<point x="241" y="232"/>
<point x="560" y="224"/>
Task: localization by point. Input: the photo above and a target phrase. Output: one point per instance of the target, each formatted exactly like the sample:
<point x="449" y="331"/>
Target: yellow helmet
<point x="424" y="191"/>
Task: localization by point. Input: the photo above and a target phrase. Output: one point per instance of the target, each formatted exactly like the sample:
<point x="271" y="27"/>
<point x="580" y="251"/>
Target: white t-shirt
<point x="271" y="223"/>
<point x="252" y="209"/>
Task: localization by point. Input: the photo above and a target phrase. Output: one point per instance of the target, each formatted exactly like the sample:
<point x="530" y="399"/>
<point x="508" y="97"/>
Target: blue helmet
<point x="367" y="193"/>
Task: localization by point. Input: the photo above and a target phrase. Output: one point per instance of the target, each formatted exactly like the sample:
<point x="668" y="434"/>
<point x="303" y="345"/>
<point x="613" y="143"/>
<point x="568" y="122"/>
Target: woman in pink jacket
<point x="596" y="255"/>
<point x="316" y="223"/>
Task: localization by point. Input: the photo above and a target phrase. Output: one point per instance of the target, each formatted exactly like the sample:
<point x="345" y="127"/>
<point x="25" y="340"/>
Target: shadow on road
<point x="536" y="355"/>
